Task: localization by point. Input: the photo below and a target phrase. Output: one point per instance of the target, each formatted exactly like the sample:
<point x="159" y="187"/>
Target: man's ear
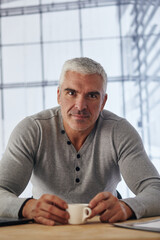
<point x="58" y="95"/>
<point x="104" y="101"/>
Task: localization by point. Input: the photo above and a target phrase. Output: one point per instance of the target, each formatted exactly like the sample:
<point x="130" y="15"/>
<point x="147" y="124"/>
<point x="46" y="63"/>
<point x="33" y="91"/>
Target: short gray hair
<point x="84" y="65"/>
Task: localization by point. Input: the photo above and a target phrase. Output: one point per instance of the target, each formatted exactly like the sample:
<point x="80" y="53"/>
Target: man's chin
<point x="80" y="126"/>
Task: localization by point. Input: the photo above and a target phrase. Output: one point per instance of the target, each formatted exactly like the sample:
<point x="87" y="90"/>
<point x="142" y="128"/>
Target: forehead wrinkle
<point x="71" y="83"/>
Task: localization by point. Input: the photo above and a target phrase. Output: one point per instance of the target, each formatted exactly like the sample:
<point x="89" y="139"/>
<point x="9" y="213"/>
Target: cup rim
<point x="78" y="204"/>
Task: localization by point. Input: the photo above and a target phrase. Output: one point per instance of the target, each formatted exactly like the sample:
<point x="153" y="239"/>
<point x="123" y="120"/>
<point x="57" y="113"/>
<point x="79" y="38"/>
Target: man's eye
<point x="71" y="93"/>
<point x="92" y="95"/>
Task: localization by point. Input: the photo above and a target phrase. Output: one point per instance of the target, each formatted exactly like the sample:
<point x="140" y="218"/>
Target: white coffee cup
<point x="79" y="212"/>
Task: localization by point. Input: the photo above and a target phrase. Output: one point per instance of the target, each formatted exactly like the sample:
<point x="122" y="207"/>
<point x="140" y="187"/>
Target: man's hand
<point x="109" y="208"/>
<point x="46" y="210"/>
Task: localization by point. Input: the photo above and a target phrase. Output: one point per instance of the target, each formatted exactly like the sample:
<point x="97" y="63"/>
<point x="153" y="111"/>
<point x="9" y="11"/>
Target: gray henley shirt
<point x="40" y="149"/>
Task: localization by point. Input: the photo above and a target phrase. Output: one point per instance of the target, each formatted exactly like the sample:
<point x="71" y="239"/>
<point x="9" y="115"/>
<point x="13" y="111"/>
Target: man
<point x="75" y="153"/>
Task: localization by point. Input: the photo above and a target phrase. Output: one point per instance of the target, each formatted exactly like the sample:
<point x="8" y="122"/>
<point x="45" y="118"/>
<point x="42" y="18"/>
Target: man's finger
<point x="108" y="214"/>
<point x="98" y="198"/>
<point x="44" y="221"/>
<point x="102" y="206"/>
<point x="49" y="210"/>
<point x="55" y="200"/>
<point x="42" y="215"/>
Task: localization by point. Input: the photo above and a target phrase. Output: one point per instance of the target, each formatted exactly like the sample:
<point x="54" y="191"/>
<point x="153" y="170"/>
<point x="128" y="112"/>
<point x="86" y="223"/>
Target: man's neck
<point x="77" y="140"/>
<point x="77" y="137"/>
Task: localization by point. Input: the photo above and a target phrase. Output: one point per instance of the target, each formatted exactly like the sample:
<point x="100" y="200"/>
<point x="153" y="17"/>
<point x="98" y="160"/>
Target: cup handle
<point x="86" y="213"/>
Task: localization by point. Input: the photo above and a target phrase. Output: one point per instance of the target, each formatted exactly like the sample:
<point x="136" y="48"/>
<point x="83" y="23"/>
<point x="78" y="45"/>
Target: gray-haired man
<point x="76" y="153"/>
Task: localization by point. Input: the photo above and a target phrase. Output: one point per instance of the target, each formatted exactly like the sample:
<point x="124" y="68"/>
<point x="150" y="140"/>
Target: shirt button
<point x="68" y="142"/>
<point x="78" y="155"/>
<point x="77" y="180"/>
<point x="77" y="169"/>
<point x="62" y="131"/>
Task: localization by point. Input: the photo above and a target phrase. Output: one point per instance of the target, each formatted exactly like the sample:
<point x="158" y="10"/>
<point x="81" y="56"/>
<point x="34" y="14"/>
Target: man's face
<point x="81" y="99"/>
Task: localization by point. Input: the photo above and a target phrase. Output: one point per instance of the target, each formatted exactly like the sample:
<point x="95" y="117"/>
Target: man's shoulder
<point x="111" y="120"/>
<point x="46" y="114"/>
<point x="110" y="116"/>
<point x="31" y="123"/>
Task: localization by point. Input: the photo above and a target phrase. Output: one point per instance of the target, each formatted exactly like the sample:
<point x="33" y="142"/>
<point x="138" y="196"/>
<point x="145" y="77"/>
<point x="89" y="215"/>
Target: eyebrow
<point x="92" y="92"/>
<point x="70" y="89"/>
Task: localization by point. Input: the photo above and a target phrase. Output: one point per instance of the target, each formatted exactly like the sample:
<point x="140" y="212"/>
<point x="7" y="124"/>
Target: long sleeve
<point x="16" y="166"/>
<point x="138" y="172"/>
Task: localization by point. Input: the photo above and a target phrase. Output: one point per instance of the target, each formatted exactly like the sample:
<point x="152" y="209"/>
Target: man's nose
<point x="81" y="103"/>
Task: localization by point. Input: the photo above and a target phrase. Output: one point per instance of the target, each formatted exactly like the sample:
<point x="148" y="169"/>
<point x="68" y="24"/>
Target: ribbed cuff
<point x="21" y="208"/>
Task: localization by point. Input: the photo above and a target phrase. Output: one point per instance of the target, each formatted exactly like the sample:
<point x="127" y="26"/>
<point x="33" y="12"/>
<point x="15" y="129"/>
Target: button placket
<point x="77" y="161"/>
<point x="77" y="169"/>
<point x="63" y="132"/>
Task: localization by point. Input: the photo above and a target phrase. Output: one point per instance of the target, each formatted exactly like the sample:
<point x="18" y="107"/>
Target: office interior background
<point x="37" y="36"/>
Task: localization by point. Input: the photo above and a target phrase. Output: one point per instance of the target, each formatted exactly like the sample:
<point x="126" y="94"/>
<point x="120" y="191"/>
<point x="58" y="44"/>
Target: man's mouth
<point x="79" y="114"/>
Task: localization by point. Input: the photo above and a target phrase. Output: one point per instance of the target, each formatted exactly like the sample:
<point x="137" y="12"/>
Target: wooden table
<point x="93" y="230"/>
